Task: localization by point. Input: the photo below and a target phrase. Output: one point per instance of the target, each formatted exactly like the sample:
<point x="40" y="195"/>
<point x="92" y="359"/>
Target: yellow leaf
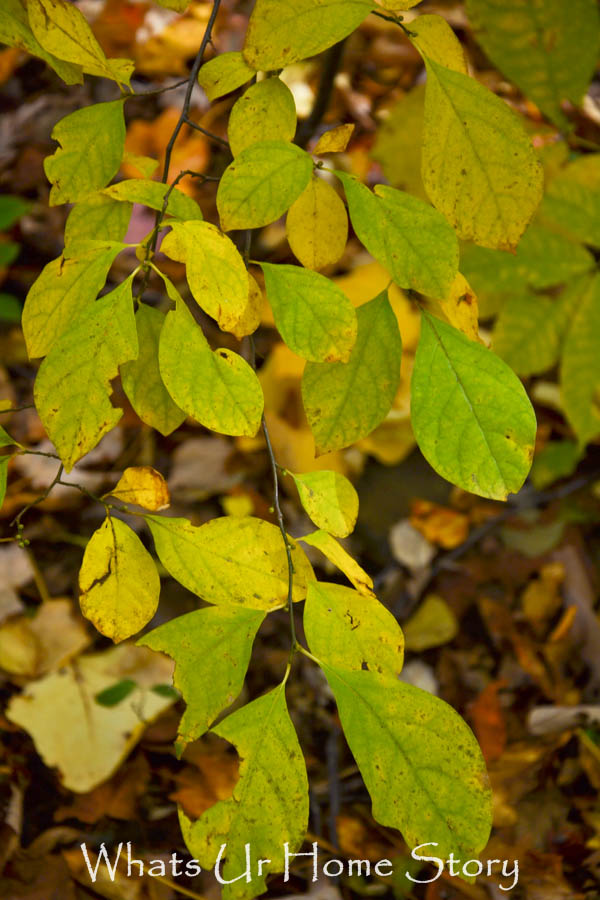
<point x="249" y="317"/>
<point x="336" y="554"/>
<point x="224" y="73"/>
<point x="266" y="112"/>
<point x="99" y="737"/>
<point x="334" y="141"/>
<point x="435" y="39"/>
<point x="317" y="225"/>
<point x="330" y="500"/>
<point x="118" y="581"/>
<point x="431" y="625"/>
<point x="143" y="486"/>
<point x="461" y="309"/>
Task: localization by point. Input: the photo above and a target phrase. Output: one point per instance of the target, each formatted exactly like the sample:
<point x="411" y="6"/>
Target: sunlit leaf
<point x="217" y="388"/>
<point x="15" y="31"/>
<point x="303" y="28"/>
<point x="317" y="225"/>
<point x="329" y="499"/>
<point x="479" y="166"/>
<point x="335" y="553"/>
<point x="470" y="413"/>
<point x="72" y="388"/>
<point x="411" y="239"/>
<point x="224" y="73"/>
<point x="269" y="802"/>
<point x="91" y="148"/>
<point x="335" y="140"/>
<point x="152" y="194"/>
<point x="352" y="631"/>
<point x="549" y="50"/>
<point x="221" y="637"/>
<point x="312" y="314"/>
<point x="118" y="581"/>
<point x="266" y="112"/>
<point x="234" y="561"/>
<point x="580" y="365"/>
<point x="261" y="184"/>
<point x="143" y="486"/>
<point x="98" y="218"/>
<point x="436" y="40"/>
<point x="346" y="401"/>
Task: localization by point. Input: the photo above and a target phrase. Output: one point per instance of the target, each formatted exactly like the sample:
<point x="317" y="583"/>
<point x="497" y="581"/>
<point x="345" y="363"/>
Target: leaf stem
<point x="396" y="20"/>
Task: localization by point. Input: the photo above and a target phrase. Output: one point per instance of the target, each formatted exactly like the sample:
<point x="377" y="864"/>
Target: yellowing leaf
<point x="97" y="218"/>
<point x="352" y="631"/>
<point x="143" y="486"/>
<point x="432" y="625"/>
<point x="231" y="560"/>
<point x="317" y="226"/>
<point x="141" y="377"/>
<point x="346" y="401"/>
<point x="15" y="31"/>
<point x="470" y="414"/>
<point x="469" y="135"/>
<point x="250" y="316"/>
<point x="580" y="365"/>
<point x="460" y="307"/>
<point x="435" y="39"/>
<point x="425" y="772"/>
<point x="118" y="581"/>
<point x="266" y="112"/>
<point x="215" y="270"/>
<point x="329" y="499"/>
<point x="61" y="29"/>
<point x="269" y="802"/>
<point x="334" y="141"/>
<point x="152" y="194"/>
<point x="398" y="4"/>
<point x="279" y="36"/>
<point x="398" y="143"/>
<point x="336" y="554"/>
<point x="72" y="388"/>
<point x="313" y="316"/>
<point x="217" y="388"/>
<point x="413" y="241"/>
<point x="549" y="50"/>
<point x="224" y="73"/>
<point x="261" y="184"/>
<point x="99" y="737"/>
<point x="91" y="149"/>
<point x="221" y="637"/>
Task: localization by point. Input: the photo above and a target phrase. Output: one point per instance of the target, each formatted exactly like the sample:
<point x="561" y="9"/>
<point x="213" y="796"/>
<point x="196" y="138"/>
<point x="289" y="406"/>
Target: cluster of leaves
<point x="470" y="414"/>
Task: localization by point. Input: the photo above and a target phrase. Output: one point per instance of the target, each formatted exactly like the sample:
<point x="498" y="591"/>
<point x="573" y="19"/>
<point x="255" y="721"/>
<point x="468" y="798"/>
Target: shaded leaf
<point x="317" y="225"/>
<point x="432" y="625"/>
<point x="346" y="401"/>
<point x="266" y="112"/>
<point x="114" y="695"/>
<point x="329" y="499"/>
<point x="152" y="194"/>
<point x="98" y="218"/>
<point x="580" y="364"/>
<point x="571" y="204"/>
<point x="4" y="460"/>
<point x="231" y="560"/>
<point x="221" y="638"/>
<point x="471" y="416"/>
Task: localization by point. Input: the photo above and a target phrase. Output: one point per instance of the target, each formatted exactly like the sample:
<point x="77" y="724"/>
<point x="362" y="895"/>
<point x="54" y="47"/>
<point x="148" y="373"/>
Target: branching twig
<point x="206" y="132"/>
<point x="307" y="128"/>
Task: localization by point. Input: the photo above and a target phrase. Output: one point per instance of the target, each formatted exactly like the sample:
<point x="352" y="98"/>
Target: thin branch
<point x="206" y="132"/>
<point x="396" y="20"/>
<point x="155" y="92"/>
<point x="17" y="519"/>
<point x="307" y="128"/>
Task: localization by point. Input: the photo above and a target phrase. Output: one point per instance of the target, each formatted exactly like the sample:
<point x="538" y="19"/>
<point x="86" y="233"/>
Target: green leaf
<point x="278" y="36"/>
<point x="435" y="39"/>
<point x="529" y="331"/>
<point x="269" y="802"/>
<point x="118" y="581"/>
<point x="223" y="74"/>
<point x="549" y="50"/>
<point x="329" y="499"/>
<point x="571" y="204"/>
<point x="10" y="308"/>
<point x="221" y="637"/>
<point x="217" y="388"/>
<point x="557" y="459"/>
<point x="419" y="760"/>
<point x="312" y="314"/>
<point x="580" y="365"/>
<point x="470" y="414"/>
<point x="5" y="439"/>
<point x="141" y="378"/>
<point x="98" y="218"/>
<point x="16" y="32"/>
<point x="72" y="388"/>
<point x="266" y="112"/>
<point x="398" y="143"/>
<point x="341" y="559"/>
<point x="409" y="238"/>
<point x="11" y="210"/>
<point x="231" y="561"/>
<point x="317" y="225"/>
<point x="152" y="194"/>
<point x="91" y="149"/>
<point x="352" y="631"/>
<point x="261" y="184"/>
<point x="215" y="270"/>
<point x="63" y="288"/>
<point x="4" y="460"/>
<point x="112" y="696"/>
<point x="479" y="167"/>
<point x="8" y="253"/>
<point x="346" y="401"/>
<point x="62" y="30"/>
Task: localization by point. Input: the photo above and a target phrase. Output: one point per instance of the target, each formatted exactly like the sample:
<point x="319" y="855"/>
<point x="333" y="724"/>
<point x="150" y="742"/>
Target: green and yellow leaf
<point x="15" y="31"/>
<point x="152" y="194"/>
<point x="341" y="559"/>
<point x="223" y="74"/>
<point x="329" y="499"/>
<point x="580" y="364"/>
<point x="265" y="112"/>
<point x="98" y="218"/>
<point x="317" y="226"/>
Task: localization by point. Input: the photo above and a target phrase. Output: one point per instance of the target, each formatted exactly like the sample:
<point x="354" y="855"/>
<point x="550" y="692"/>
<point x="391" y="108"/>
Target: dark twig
<point x="396" y="20"/>
<point x="17" y="519"/>
<point x="307" y="128"/>
<point x="206" y="132"/>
